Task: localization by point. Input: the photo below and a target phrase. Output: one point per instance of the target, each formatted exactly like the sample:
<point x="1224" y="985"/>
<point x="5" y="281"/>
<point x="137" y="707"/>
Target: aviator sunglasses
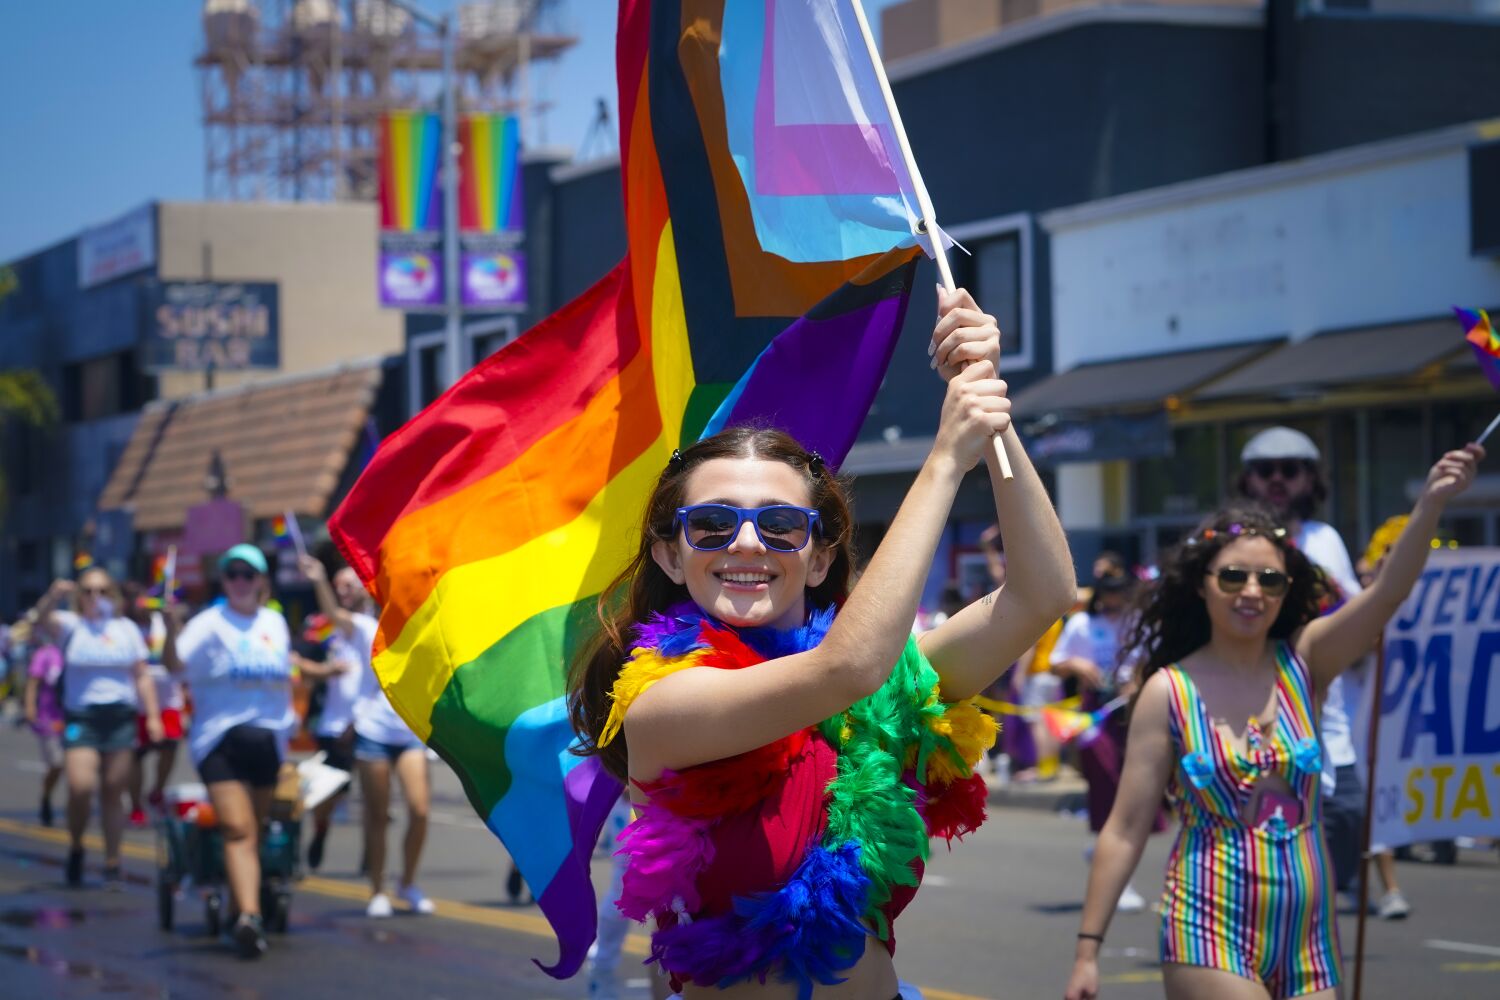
<point x="709" y="527"/>
<point x="1265" y="468"/>
<point x="1232" y="580"/>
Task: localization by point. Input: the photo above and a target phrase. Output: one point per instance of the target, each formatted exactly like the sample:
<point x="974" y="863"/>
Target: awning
<point x="1340" y="359"/>
<point x="1147" y="381"/>
<point x="284" y="445"/>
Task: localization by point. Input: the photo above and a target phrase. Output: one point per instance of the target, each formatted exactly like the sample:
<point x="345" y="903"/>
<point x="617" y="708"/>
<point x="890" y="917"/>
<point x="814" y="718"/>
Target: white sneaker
<point x="1393" y="906"/>
<point x="1130" y="901"/>
<point x="418" y="901"/>
<point x="379" y="906"/>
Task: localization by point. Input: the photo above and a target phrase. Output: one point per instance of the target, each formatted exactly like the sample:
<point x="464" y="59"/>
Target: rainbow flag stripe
<point x="489" y="181"/>
<point x="411" y="199"/>
<point x="1481" y="335"/>
<point x="489" y="524"/>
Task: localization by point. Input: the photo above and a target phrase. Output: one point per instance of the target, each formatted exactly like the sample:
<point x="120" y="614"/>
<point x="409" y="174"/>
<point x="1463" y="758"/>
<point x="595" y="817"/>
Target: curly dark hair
<point x="1173" y="620"/>
<point x="642" y="587"/>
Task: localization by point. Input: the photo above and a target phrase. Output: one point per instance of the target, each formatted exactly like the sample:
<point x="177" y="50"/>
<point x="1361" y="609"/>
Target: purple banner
<point x="411" y="272"/>
<point x="494" y="278"/>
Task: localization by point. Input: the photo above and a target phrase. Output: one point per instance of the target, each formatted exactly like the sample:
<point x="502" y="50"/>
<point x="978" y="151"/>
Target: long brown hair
<point x="1173" y="619"/>
<point x="643" y="588"/>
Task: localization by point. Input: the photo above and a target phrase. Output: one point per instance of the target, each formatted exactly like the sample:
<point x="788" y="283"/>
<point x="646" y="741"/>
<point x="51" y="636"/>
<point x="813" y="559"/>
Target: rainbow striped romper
<point x="1254" y="901"/>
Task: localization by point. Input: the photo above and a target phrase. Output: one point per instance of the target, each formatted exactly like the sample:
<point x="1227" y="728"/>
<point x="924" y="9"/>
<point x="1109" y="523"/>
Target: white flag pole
<point x="295" y="530"/>
<point x="924" y="202"/>
<point x="1493" y="424"/>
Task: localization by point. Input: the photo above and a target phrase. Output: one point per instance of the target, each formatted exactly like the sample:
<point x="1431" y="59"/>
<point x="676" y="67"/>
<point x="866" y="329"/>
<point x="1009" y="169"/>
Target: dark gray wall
<point x="1362" y="78"/>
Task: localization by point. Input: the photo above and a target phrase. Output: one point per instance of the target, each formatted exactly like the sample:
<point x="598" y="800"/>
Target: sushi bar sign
<point x="218" y="325"/>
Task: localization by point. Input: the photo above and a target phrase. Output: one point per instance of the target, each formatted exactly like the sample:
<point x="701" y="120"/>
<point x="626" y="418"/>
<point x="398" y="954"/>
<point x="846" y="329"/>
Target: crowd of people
<point x="117" y="677"/>
<point x="790" y="744"/>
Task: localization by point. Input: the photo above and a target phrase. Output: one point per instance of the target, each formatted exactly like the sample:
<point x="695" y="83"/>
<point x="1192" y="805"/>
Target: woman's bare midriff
<point x="872" y="978"/>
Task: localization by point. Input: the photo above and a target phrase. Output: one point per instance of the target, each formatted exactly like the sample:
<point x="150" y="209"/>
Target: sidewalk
<point x="1066" y="791"/>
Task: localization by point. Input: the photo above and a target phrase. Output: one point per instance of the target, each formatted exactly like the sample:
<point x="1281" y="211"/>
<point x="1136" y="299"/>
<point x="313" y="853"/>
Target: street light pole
<point x="453" y="295"/>
<point x="452" y="334"/>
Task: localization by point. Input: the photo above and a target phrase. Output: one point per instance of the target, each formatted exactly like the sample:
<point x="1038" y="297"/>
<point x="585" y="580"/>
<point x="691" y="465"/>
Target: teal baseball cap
<point x="248" y="554"/>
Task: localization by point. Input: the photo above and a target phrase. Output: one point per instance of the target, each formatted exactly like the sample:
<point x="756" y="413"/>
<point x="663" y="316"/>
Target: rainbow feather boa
<point x="905" y="773"/>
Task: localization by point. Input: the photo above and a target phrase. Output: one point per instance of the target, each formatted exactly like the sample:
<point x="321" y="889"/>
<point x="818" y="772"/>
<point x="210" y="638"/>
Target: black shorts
<point x="246" y="753"/>
<point x="338" y="751"/>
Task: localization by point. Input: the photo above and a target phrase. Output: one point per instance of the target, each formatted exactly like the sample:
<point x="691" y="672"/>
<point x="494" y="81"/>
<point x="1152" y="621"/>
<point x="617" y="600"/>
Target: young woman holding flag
<point x="1235" y="661"/>
<point x="791" y="748"/>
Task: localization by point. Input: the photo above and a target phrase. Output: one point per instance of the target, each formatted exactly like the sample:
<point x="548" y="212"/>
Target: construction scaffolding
<point x="293" y="90"/>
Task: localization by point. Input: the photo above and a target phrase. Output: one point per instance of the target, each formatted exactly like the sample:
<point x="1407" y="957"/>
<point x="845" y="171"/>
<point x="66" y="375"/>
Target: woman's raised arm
<point x="973" y="647"/>
<point x="1328" y="645"/>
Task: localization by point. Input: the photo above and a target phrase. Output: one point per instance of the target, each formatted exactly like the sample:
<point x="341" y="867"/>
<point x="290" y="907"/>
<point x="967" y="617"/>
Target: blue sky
<point x="99" y="107"/>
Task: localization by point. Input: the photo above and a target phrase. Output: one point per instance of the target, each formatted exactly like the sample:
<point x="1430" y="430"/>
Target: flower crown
<point x="1238" y="530"/>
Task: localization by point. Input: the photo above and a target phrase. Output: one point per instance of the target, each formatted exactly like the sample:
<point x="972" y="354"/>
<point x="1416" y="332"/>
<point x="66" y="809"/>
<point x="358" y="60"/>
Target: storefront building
<point x="166" y="301"/>
<point x="1315" y="294"/>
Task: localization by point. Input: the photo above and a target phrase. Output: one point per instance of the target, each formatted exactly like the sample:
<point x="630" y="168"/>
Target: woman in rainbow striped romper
<point x="1236" y="661"/>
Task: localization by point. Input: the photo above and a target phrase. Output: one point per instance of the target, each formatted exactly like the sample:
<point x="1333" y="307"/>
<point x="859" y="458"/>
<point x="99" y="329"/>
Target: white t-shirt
<point x="168" y="688"/>
<point x="1095" y="638"/>
<point x="1323" y="546"/>
<point x="342" y="689"/>
<point x="240" y="671"/>
<point x="1320" y="543"/>
<point x="99" y="660"/>
<point x="374" y="718"/>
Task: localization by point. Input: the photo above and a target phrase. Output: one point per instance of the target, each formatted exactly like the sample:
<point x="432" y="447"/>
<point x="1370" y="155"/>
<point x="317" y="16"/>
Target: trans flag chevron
<point x="489" y="524"/>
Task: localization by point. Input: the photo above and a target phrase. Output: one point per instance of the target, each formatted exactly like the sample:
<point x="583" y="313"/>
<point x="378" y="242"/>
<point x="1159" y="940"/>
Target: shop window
<point x="1185" y="484"/>
<point x="1399" y="453"/>
<point x="429" y="364"/>
<point x="105" y="387"/>
<point x="997" y="271"/>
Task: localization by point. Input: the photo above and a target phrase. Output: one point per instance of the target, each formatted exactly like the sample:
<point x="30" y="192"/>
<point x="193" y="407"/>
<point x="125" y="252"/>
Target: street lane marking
<point x="1470" y="966"/>
<point x="1149" y="976"/>
<point x="521" y="923"/>
<point x="1462" y="946"/>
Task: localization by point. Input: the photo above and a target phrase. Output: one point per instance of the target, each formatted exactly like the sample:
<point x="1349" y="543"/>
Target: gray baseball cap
<point x="1279" y="442"/>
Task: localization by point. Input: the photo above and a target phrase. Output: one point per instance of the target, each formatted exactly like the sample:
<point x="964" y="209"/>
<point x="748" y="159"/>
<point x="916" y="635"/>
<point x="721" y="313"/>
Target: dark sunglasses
<point x="1232" y="580"/>
<point x="1290" y="468"/>
<point x="94" y="591"/>
<point x="239" y="574"/>
<point x="709" y="527"/>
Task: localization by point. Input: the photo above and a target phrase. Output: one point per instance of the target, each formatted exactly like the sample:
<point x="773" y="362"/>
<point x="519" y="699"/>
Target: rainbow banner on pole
<point x="411" y="210"/>
<point x="491" y="210"/>
<point x="489" y="183"/>
<point x="488" y="525"/>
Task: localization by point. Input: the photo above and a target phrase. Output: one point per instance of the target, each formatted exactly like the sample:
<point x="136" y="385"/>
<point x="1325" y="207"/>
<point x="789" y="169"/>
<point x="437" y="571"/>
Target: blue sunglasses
<point x="709" y="527"/>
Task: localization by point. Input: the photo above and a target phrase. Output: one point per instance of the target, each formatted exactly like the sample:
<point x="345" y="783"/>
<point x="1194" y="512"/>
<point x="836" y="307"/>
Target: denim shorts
<point x="105" y="728"/>
<point x="375" y="751"/>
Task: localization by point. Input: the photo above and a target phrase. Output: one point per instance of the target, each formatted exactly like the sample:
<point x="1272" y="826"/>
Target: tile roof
<point x="284" y="444"/>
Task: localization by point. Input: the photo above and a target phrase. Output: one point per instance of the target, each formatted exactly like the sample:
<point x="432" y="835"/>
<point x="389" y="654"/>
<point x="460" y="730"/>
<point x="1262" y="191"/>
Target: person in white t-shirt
<point x="235" y="658"/>
<point x="105" y="684"/>
<point x="383" y="743"/>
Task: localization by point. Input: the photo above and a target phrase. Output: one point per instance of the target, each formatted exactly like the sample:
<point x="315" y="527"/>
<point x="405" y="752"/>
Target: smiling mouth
<point x="744" y="579"/>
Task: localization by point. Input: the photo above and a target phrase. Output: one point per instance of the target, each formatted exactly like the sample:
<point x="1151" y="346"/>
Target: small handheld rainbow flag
<point x="319" y="629"/>
<point x="1480" y="334"/>
<point x="82" y="561"/>
<point x="279" y="532"/>
<point x="1067" y="724"/>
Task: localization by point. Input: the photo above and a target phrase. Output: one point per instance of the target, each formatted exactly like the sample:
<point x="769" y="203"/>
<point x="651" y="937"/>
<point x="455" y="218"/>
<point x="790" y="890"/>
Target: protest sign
<point x="1437" y="775"/>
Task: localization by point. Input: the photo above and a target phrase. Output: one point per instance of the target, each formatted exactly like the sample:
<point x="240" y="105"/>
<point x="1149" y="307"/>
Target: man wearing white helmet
<point x="1279" y="467"/>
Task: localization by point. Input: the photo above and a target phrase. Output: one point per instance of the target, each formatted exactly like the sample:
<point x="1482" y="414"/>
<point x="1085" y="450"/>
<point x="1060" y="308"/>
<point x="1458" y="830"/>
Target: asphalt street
<point x="995" y="919"/>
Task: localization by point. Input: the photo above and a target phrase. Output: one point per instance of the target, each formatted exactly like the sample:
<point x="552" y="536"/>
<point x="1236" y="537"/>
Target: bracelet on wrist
<point x="1091" y="937"/>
